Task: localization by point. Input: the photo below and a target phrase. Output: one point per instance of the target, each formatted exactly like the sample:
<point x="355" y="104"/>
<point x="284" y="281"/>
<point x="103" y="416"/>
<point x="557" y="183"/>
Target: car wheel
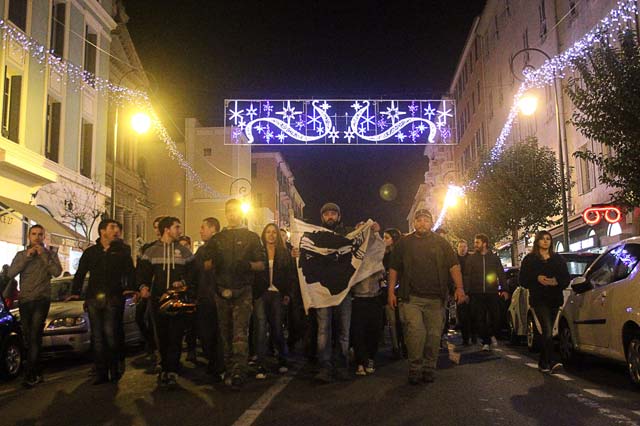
<point x="568" y="353"/>
<point x="11" y="359"/>
<point x="633" y="360"/>
<point x="533" y="336"/>
<point x="514" y="339"/>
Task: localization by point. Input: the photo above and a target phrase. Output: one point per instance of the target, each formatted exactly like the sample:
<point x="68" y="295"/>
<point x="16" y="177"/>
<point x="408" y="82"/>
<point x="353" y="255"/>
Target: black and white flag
<point x="330" y="264"/>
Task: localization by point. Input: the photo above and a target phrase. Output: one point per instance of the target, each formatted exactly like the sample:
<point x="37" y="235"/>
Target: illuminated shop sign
<point x="593" y="215"/>
<point x="340" y="122"/>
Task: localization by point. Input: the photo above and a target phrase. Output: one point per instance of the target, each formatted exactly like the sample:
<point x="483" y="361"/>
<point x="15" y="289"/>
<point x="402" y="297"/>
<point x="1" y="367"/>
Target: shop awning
<point x="41" y="217"/>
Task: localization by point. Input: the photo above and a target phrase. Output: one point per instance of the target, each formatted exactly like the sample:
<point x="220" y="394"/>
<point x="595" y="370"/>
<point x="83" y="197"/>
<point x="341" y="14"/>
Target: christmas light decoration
<point x="338" y="122"/>
<point x="72" y="74"/>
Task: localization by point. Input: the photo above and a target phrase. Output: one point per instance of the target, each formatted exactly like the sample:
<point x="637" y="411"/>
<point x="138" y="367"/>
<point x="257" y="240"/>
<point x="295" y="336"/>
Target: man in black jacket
<point x="206" y="313"/>
<point x="236" y="254"/>
<point x="111" y="271"/>
<point x="165" y="266"/>
<point x="483" y="275"/>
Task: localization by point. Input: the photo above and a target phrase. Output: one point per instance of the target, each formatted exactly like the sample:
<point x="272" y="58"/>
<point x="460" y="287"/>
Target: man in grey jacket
<point x="36" y="266"/>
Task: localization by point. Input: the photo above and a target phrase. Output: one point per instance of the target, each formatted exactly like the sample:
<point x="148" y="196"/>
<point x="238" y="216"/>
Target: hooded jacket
<point x="111" y="271"/>
<point x="483" y="273"/>
<point x="163" y="264"/>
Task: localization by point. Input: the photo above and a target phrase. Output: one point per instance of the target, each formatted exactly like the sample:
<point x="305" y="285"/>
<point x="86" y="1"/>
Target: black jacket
<point x="231" y="250"/>
<point x="554" y="267"/>
<point x="285" y="276"/>
<point x="206" y="279"/>
<point x="483" y="274"/>
<point x="163" y="264"/>
<point x="111" y="272"/>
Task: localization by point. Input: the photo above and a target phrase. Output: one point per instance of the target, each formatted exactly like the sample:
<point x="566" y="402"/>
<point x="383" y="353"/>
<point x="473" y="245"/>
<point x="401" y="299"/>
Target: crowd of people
<point x="239" y="295"/>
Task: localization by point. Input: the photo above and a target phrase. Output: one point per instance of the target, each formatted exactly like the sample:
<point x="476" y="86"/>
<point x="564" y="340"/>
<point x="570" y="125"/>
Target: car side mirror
<point x="580" y="285"/>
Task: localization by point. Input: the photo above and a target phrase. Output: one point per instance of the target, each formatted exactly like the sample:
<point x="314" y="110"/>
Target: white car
<point x="522" y="320"/>
<point x="601" y="316"/>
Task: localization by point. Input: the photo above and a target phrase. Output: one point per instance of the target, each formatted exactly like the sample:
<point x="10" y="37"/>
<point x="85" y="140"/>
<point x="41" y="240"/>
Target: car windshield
<point x="61" y="289"/>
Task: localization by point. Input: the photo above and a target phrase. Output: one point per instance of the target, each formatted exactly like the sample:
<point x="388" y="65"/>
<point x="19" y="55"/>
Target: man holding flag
<point x="332" y="259"/>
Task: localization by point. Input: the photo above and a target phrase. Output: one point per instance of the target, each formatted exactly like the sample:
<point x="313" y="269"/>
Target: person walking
<point x="111" y="270"/>
<point x="167" y="268"/>
<point x="236" y="254"/>
<point x="391" y="237"/>
<point x="36" y="266"/>
<point x="545" y="274"/>
<point x="483" y="276"/>
<point x="426" y="262"/>
<point x="366" y="322"/>
<point x="278" y="279"/>
<point x="206" y="311"/>
<point x="465" y="322"/>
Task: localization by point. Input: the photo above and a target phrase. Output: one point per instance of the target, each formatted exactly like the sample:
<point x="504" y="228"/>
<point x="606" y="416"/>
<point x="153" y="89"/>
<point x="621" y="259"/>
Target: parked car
<point x="67" y="330"/>
<point x="11" y="348"/>
<point x="522" y="320"/>
<point x="601" y="316"/>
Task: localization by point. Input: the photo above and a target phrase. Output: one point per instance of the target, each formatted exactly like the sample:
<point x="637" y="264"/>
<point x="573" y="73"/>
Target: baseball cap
<point x="422" y="212"/>
<point x="330" y="207"/>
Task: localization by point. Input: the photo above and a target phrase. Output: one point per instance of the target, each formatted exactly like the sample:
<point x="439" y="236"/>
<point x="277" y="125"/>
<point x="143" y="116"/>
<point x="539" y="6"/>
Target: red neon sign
<point x="593" y="215"/>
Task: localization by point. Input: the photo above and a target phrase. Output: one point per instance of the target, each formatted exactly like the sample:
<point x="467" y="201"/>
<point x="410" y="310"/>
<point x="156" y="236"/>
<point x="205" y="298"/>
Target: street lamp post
<point x="531" y="109"/>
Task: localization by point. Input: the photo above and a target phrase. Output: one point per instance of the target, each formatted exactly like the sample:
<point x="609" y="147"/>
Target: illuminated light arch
<point x="340" y="122"/>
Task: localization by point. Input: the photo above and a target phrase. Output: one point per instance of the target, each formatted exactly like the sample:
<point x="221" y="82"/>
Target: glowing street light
<point x="528" y="104"/>
<point x="245" y="207"/>
<point x="141" y="122"/>
<point x="451" y="199"/>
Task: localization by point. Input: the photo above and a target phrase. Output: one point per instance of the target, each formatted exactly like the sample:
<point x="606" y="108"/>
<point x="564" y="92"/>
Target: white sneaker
<point x="360" y="371"/>
<point x="371" y="367"/>
<point x="494" y="341"/>
<point x="486" y="348"/>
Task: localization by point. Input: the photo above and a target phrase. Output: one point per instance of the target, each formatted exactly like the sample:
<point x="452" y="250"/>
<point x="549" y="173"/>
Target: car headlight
<point x="66" y="322"/>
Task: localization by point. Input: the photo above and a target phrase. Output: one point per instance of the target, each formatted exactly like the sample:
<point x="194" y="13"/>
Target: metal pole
<point x="563" y="183"/>
<point x="113" y="165"/>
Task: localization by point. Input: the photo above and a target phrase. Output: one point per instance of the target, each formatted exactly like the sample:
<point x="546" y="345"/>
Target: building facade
<point x="484" y="87"/>
<point x="274" y="188"/>
<point x="53" y="139"/>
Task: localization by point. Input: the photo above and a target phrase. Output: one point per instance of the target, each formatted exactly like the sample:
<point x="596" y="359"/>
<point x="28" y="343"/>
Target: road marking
<point x="6" y="391"/>
<point x="598" y="393"/>
<point x="514" y="356"/>
<point x="249" y="417"/>
<point x="497" y="349"/>
<point x="636" y="412"/>
<point x="532" y="365"/>
<point x="562" y="377"/>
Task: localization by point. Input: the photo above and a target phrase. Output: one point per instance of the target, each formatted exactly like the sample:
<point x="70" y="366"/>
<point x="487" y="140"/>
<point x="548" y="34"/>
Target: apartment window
<point x="254" y="170"/>
<point x="586" y="174"/>
<point x="473" y="102"/>
<point x="52" y="135"/>
<point x="11" y="104"/>
<point x="543" y="19"/>
<point x="525" y="44"/>
<point x="490" y="105"/>
<point x="573" y="11"/>
<point x="90" y="52"/>
<point x="258" y="200"/>
<point x="497" y="27"/>
<point x="507" y="7"/>
<point x="58" y="15"/>
<point x="206" y="152"/>
<point x="86" y="148"/>
<point x="479" y="92"/>
<point x="18" y="13"/>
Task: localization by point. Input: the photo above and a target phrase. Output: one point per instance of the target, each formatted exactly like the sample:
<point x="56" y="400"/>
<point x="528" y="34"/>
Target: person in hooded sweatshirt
<point x="111" y="272"/>
<point x="167" y="265"/>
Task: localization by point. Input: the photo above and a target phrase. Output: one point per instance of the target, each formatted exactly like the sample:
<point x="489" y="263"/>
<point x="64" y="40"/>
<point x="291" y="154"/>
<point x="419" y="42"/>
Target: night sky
<point x="201" y="52"/>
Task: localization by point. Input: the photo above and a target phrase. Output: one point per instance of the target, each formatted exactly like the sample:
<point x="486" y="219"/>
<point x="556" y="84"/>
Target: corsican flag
<point x="330" y="264"/>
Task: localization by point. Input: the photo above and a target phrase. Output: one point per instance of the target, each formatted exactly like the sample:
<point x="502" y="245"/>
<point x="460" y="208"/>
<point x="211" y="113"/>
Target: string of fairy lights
<point x="70" y="73"/>
<point x="606" y="31"/>
<point x="619" y="18"/>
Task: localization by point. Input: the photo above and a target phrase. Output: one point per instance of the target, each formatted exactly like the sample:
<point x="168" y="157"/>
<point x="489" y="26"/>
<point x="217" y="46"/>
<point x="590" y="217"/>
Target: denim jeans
<point x="33" y="315"/>
<point x="325" y="322"/>
<point x="274" y="310"/>
<point x="423" y="319"/>
<point x="546" y="316"/>
<point x="106" y="326"/>
<point x="485" y="310"/>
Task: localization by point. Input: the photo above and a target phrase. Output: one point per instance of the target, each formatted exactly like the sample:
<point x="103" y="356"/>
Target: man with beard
<point x="111" y="270"/>
<point x="426" y="262"/>
<point x="334" y="365"/>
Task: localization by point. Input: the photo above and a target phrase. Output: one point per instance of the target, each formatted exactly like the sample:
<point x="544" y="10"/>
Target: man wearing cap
<point x="426" y="262"/>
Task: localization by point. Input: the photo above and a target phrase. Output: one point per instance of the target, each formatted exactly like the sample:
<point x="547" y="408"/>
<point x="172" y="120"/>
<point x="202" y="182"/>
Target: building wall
<point x="26" y="174"/>
<point x="503" y="28"/>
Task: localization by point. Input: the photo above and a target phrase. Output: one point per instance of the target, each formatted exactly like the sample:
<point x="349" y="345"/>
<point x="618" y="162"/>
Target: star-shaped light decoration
<point x="288" y="113"/>
<point x="236" y="114"/>
<point x="348" y="135"/>
<point x="281" y="137"/>
<point x="356" y="105"/>
<point x="325" y="106"/>
<point x="429" y="111"/>
<point x="251" y="111"/>
<point x="393" y="113"/>
<point x="333" y="135"/>
<point x="401" y="136"/>
<point x="268" y="108"/>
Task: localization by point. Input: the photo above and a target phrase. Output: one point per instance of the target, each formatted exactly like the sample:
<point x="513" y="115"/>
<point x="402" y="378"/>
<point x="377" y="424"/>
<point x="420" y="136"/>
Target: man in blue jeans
<point x="36" y="266"/>
<point x="111" y="273"/>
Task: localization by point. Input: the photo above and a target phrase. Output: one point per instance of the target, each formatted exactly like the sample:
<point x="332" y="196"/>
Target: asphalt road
<point x="502" y="387"/>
